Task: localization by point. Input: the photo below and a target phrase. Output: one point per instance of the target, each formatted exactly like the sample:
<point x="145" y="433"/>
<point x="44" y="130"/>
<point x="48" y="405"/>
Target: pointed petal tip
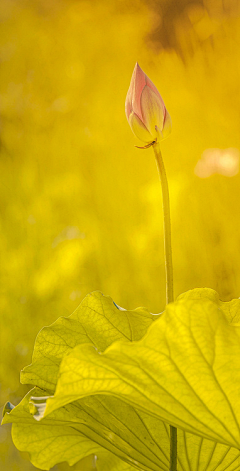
<point x="137" y="69"/>
<point x="137" y="66"/>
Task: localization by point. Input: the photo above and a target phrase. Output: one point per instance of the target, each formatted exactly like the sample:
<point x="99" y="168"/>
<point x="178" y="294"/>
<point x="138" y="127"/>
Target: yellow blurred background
<point x="80" y="205"/>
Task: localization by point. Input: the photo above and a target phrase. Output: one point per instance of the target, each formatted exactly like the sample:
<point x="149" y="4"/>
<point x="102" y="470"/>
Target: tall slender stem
<point x="167" y="224"/>
<point x="169" y="272"/>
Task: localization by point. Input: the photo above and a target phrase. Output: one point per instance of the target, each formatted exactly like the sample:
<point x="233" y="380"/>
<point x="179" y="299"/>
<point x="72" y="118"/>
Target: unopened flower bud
<point x="145" y="109"/>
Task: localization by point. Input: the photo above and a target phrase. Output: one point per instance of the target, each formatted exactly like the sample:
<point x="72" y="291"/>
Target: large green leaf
<point x="106" y="422"/>
<point x="69" y="434"/>
<point x="65" y="435"/>
<point x="97" y="321"/>
<point x="52" y="442"/>
<point x="123" y="437"/>
<point x="185" y="371"/>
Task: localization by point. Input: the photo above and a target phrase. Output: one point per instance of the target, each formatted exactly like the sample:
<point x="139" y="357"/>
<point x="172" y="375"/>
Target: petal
<point x="154" y="88"/>
<point x="152" y="110"/>
<point x="133" y="98"/>
<point x="128" y="103"/>
<point x="139" y="129"/>
<point x="167" y="127"/>
<point x="138" y="83"/>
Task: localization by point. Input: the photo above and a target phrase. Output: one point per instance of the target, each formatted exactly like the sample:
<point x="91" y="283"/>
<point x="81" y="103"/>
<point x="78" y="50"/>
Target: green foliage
<point x="117" y="378"/>
<point x="97" y="321"/>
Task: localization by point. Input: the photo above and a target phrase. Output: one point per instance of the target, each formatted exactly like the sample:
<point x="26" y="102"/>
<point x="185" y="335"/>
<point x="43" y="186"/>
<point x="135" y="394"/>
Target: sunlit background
<point x="80" y="205"/>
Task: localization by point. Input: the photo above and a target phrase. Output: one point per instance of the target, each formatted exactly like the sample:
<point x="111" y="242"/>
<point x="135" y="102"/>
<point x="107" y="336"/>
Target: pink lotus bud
<point x="145" y="109"/>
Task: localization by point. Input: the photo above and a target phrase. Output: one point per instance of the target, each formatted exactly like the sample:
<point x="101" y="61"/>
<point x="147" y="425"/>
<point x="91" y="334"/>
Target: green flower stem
<point x="169" y="272"/>
<point x="167" y="224"/>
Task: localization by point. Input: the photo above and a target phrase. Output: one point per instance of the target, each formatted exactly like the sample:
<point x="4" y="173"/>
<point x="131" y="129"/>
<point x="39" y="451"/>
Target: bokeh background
<point x="80" y="205"/>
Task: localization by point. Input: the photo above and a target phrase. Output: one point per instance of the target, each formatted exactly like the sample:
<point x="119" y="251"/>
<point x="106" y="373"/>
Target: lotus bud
<point x="145" y="109"/>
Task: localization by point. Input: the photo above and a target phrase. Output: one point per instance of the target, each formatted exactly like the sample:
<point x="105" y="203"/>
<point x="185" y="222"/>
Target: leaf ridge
<point x="111" y="431"/>
<point x="200" y="399"/>
<point x="234" y="459"/>
<point x="220" y="387"/>
<point x="111" y="323"/>
<point x="153" y="439"/>
<point x="221" y="459"/>
<point x="135" y="435"/>
<point x="186" y="451"/>
<point x="199" y="453"/>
